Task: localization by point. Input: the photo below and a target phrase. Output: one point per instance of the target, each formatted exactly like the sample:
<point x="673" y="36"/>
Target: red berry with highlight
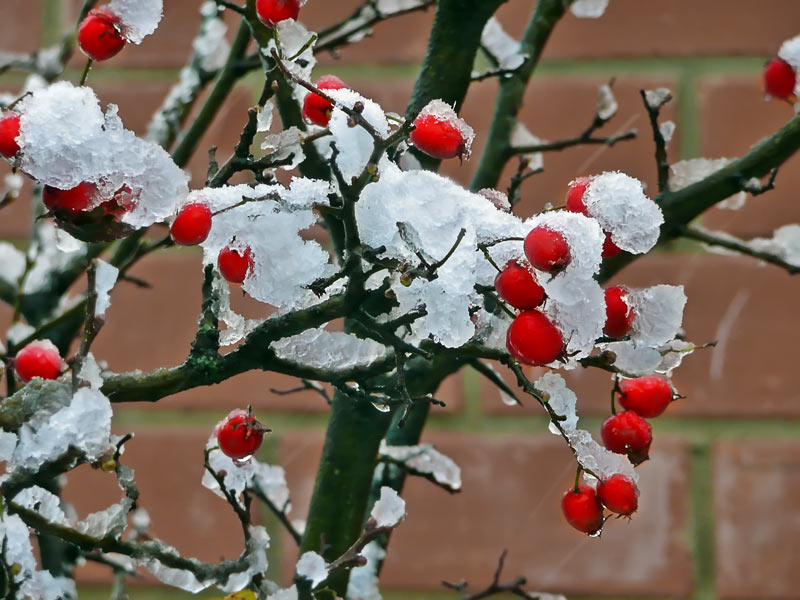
<point x="534" y="340"/>
<point x="316" y="109"/>
<point x="780" y="78"/>
<point x="271" y="12"/>
<point x="71" y="201"/>
<point x="438" y="137"/>
<point x="627" y="433"/>
<point x="647" y="396"/>
<point x="517" y="286"/>
<point x="610" y="249"/>
<point x="192" y="224"/>
<point x="100" y="35"/>
<point x="547" y="250"/>
<point x="582" y="509"/>
<point x="619" y="312"/>
<point x="38" y="359"/>
<point x="619" y="494"/>
<point x="235" y="265"/>
<point x="9" y="132"/>
<point x="240" y="434"/>
<point x="575" y="194"/>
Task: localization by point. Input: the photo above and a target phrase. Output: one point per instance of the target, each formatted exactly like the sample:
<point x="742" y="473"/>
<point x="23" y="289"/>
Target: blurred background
<point x="720" y="499"/>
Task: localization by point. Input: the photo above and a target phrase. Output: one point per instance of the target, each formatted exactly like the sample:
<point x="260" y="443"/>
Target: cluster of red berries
<point x="780" y="79"/>
<point x="38" y="359"/>
<point x="623" y="433"/>
<point x="240" y="434"/>
<point x="100" y="34"/>
<point x="575" y="203"/>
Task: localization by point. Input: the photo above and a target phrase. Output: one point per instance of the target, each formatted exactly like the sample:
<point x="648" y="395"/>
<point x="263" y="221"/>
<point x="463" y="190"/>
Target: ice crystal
<point x="389" y="509"/>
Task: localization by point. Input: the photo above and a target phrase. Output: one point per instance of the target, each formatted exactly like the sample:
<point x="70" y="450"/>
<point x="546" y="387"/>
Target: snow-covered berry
<point x="619" y="312"/>
<point x="619" y="494"/>
<point x="440" y="133"/>
<point x="38" y="359"/>
<point x="234" y="264"/>
<point x="582" y="509"/>
<point x="271" y="12"/>
<point x="192" y="225"/>
<point x="100" y="35"/>
<point x="627" y="433"/>
<point x="9" y="132"/>
<point x="316" y="109"/>
<point x="517" y="286"/>
<point x="240" y="434"/>
<point x="575" y="192"/>
<point x="647" y="396"/>
<point x="71" y="201"/>
<point x="780" y="78"/>
<point x="610" y="249"/>
<point x="534" y="340"/>
<point x="547" y="250"/>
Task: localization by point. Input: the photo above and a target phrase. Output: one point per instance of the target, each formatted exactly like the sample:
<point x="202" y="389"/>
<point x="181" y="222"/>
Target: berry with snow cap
<point x="85" y="214"/>
<point x="192" y="225"/>
<point x="780" y="78"/>
<point x="628" y="433"/>
<point x="271" y="12"/>
<point x="316" y="109"/>
<point x="234" y="264"/>
<point x="9" y="132"/>
<point x="440" y="133"/>
<point x="647" y="396"/>
<point x="100" y="35"/>
<point x="619" y="312"/>
<point x="38" y="359"/>
<point x="240" y="434"/>
<point x="582" y="509"/>
<point x="517" y="286"/>
<point x="619" y="494"/>
<point x="533" y="339"/>
<point x="547" y="250"/>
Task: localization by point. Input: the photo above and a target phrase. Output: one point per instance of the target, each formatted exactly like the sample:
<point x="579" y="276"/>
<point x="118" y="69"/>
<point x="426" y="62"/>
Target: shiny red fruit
<point x="575" y="194"/>
<point x="316" y="109"/>
<point x="534" y="340"/>
<point x="610" y="249"/>
<point x="71" y="201"/>
<point x="547" y="250"/>
<point x="582" y="509"/>
<point x="271" y="12"/>
<point x="235" y="265"/>
<point x="438" y="138"/>
<point x="619" y="312"/>
<point x="627" y="433"/>
<point x="619" y="494"/>
<point x="192" y="225"/>
<point x="9" y="132"/>
<point x="38" y="359"/>
<point x="100" y="35"/>
<point x="239" y="435"/>
<point x="646" y="396"/>
<point x="517" y="286"/>
<point x="780" y="78"/>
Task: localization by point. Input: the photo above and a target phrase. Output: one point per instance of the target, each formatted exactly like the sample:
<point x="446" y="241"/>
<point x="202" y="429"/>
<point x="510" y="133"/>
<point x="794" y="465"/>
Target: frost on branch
<point x="354" y="144"/>
<point x="101" y="151"/>
<point x="363" y="582"/>
<point x="619" y="204"/>
<point x="589" y="9"/>
<point x="687" y="172"/>
<point x="658" y="314"/>
<point x="328" y="349"/>
<point x="562" y="399"/>
<point x="105" y="279"/>
<point x="501" y="46"/>
<point x="139" y="18"/>
<point x="390" y="508"/>
<point x="597" y="459"/>
<point x="425" y="460"/>
<point x="313" y="567"/>
<point x="785" y="243"/>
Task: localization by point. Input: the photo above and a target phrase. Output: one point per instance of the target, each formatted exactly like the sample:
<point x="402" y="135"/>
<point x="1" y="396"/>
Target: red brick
<point x="748" y="374"/>
<point x="756" y="487"/>
<point x="734" y="117"/>
<point x="169" y="469"/>
<point x="21" y="25"/>
<point x="511" y="499"/>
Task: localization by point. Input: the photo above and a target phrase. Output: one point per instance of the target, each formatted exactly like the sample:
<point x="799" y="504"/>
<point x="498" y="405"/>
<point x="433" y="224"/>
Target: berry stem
<point x="614" y="391"/>
<point x="578" y="472"/>
<point x="86" y="70"/>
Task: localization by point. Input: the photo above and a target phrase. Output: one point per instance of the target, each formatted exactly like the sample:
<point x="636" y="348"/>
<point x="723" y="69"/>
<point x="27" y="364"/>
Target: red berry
<point x="240" y="434"/>
<point x="71" y="201"/>
<point x="610" y="249"/>
<point x="646" y="396"/>
<point x="532" y="339"/>
<point x="575" y="194"/>
<point x="100" y="36"/>
<point x="438" y="137"/>
<point x="627" y="433"/>
<point x="271" y="12"/>
<point x="235" y="264"/>
<point x="9" y="132"/>
<point x="192" y="225"/>
<point x="38" y="359"/>
<point x="619" y="494"/>
<point x="780" y="78"/>
<point x="547" y="250"/>
<point x="316" y="109"/>
<point x="582" y="509"/>
<point x="517" y="286"/>
<point x="619" y="312"/>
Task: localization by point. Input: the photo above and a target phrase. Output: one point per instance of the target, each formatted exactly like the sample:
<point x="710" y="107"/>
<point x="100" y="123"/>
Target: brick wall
<point x="720" y="500"/>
